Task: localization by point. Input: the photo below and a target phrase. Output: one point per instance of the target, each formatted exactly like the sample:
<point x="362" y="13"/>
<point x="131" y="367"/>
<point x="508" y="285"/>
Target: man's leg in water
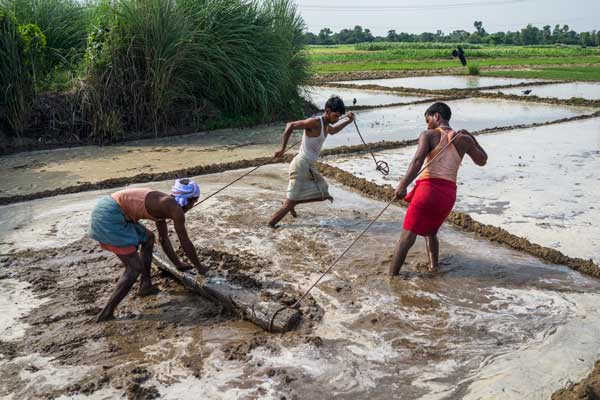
<point x="288" y="206"/>
<point x="133" y="268"/>
<point x="433" y="251"/>
<point x="146" y="286"/>
<point x="407" y="239"/>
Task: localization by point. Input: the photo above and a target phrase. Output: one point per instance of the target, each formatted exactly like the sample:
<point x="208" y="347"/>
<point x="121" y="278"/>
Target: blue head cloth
<point x="185" y="189"/>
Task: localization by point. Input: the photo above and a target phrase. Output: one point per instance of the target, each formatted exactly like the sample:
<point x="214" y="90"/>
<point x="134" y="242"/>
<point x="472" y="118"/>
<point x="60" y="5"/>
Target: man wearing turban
<point x="115" y="225"/>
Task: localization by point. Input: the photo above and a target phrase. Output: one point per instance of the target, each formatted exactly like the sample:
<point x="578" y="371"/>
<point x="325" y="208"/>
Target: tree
<point x="529" y="35"/>
<point x="392" y="36"/>
<point x="325" y="36"/>
<point x="479" y="26"/>
<point x="546" y="34"/>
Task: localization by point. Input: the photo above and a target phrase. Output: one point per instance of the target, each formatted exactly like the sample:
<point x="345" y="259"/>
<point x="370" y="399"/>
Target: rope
<point x="380" y="166"/>
<point x="244" y="175"/>
<point x="297" y="303"/>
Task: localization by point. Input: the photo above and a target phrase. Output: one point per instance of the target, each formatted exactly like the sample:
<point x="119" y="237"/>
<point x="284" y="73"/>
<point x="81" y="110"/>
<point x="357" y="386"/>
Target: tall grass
<point x="16" y="85"/>
<point x="64" y="24"/>
<point x="150" y="60"/>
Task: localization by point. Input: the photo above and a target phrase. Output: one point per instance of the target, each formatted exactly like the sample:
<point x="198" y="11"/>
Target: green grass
<point x="589" y="73"/>
<point x="399" y="54"/>
<point x="435" y="64"/>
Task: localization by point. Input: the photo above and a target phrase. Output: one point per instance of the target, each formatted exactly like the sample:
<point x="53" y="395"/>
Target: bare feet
<point x="105" y="316"/>
<point x="184" y="267"/>
<point x="148" y="290"/>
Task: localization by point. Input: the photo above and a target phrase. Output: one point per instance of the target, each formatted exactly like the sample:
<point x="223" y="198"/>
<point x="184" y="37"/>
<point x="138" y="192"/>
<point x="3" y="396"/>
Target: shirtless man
<point x="434" y="194"/>
<point x="115" y="224"/>
<point x="305" y="183"/>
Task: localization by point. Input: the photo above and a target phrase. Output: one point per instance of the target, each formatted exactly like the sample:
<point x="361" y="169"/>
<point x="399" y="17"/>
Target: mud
<point x="78" y="278"/>
<point x="587" y="389"/>
<point x="438" y="83"/>
<point x="478" y="93"/>
<point x="382" y="74"/>
<point x="216" y="168"/>
<point x="420" y="335"/>
<point x="464" y="221"/>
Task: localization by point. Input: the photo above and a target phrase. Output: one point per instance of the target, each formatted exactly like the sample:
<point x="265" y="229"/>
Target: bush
<point x="473" y="69"/>
<point x="16" y="85"/>
<point x="150" y="61"/>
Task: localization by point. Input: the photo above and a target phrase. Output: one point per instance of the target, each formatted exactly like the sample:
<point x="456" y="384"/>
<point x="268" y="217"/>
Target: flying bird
<point x="526" y="92"/>
<point x="460" y="54"/>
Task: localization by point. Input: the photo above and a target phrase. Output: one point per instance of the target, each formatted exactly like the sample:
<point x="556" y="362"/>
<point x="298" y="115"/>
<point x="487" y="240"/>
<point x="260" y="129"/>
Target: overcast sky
<point x="430" y="15"/>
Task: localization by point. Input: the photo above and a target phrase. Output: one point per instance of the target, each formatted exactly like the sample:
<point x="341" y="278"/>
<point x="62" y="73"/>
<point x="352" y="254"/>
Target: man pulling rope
<point x="434" y="194"/>
<point x="306" y="184"/>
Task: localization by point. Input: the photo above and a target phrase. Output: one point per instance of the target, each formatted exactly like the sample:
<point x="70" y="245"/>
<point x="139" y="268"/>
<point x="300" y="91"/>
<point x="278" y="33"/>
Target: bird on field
<point x="354" y="102"/>
<point x="526" y="92"/>
<point x="460" y="54"/>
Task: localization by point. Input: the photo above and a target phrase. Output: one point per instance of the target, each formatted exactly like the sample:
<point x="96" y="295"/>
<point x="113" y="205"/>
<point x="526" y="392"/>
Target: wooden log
<point x="243" y="302"/>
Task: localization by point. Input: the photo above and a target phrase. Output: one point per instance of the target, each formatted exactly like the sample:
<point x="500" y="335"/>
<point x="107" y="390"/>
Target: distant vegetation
<point x="529" y="35"/>
<point x="103" y="69"/>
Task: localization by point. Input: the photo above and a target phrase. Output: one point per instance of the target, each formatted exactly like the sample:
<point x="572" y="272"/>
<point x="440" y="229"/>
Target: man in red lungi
<point x="434" y="194"/>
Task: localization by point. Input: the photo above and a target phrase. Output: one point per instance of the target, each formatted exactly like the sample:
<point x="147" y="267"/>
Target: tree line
<point x="529" y="35"/>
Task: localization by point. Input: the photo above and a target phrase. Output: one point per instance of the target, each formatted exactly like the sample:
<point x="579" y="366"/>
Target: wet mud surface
<point x="423" y="334"/>
<point x="586" y="389"/>
<point x="480" y="92"/>
<point x="449" y="82"/>
<point x="466" y="222"/>
<point x="566" y="90"/>
<point x="540" y="183"/>
<point x="78" y="278"/>
<point x="246" y="163"/>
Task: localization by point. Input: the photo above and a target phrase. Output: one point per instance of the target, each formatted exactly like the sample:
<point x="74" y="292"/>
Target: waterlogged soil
<point x="581" y="90"/>
<point x="319" y="96"/>
<point x="448" y="334"/>
<point x="540" y="183"/>
<point x="35" y="172"/>
<point x="441" y="82"/>
<point x="407" y="122"/>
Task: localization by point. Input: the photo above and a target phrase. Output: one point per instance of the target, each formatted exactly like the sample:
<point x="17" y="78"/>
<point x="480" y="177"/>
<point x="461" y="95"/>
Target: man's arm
<point x="475" y="151"/>
<point x="165" y="243"/>
<point x="290" y="127"/>
<point x="333" y="129"/>
<point x="184" y="240"/>
<point x="414" y="167"/>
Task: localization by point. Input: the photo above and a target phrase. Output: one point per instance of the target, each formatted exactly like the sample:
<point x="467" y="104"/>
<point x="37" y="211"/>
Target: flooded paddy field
<point x="319" y="95"/>
<point x="583" y="90"/>
<point x="540" y="183"/>
<point x="406" y="122"/>
<point x="491" y="323"/>
<point x="26" y="173"/>
<point x="442" y="82"/>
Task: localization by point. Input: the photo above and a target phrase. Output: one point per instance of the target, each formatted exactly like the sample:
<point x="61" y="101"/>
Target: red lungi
<point x="431" y="200"/>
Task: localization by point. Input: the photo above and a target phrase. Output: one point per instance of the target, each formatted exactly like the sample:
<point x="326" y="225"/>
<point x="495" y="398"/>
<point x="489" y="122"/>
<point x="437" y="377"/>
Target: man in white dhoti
<point x="306" y="184"/>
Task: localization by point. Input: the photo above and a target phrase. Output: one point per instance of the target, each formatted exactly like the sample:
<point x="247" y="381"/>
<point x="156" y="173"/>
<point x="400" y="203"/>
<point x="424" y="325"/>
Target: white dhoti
<point x="306" y="183"/>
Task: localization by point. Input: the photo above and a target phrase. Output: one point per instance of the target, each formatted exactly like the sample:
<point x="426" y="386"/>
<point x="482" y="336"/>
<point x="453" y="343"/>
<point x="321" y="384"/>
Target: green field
<point x="554" y="62"/>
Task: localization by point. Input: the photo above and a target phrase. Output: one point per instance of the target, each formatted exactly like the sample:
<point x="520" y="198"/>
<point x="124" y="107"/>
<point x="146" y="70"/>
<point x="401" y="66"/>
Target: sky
<point x="430" y="15"/>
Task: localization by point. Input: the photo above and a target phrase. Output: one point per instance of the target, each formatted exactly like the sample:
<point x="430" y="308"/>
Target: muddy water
<point x="450" y="334"/>
<point x="540" y="183"/>
<point x="406" y="122"/>
<point x="584" y="90"/>
<point x="319" y="95"/>
<point x="38" y="171"/>
<point x="442" y="82"/>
